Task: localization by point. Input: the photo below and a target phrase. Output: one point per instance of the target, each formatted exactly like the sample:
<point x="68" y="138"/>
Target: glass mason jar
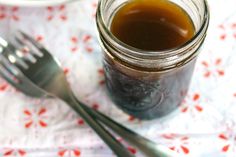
<point x="149" y="84"/>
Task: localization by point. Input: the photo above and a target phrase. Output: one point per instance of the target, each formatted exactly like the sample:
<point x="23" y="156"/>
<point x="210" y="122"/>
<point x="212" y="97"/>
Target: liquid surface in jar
<point x="152" y="25"/>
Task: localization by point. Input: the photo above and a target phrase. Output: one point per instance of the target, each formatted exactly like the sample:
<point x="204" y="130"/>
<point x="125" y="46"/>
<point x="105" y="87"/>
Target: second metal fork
<point x="14" y="67"/>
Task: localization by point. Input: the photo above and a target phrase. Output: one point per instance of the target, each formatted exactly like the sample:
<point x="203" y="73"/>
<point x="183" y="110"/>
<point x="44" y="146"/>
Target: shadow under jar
<point x="150" y="49"/>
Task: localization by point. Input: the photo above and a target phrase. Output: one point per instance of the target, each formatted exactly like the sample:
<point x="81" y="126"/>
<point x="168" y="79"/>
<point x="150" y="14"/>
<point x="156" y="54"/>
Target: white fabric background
<point x="204" y="126"/>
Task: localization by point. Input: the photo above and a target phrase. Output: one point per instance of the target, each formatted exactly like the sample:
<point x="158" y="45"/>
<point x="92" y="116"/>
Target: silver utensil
<point x="41" y="70"/>
<point x="41" y="75"/>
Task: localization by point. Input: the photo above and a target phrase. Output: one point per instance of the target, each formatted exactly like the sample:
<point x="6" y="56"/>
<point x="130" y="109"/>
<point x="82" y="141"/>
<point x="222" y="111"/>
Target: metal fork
<point x="40" y="70"/>
<point x="41" y="75"/>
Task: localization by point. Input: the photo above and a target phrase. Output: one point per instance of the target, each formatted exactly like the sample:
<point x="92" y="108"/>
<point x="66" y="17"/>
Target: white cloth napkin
<point x="204" y="126"/>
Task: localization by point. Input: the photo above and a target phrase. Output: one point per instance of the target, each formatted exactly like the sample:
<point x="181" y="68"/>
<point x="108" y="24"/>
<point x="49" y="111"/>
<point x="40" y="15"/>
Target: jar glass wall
<point x="149" y="84"/>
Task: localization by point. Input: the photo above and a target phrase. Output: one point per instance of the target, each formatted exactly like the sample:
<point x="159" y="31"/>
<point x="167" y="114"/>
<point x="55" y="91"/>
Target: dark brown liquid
<point x="152" y="25"/>
<point x="149" y="25"/>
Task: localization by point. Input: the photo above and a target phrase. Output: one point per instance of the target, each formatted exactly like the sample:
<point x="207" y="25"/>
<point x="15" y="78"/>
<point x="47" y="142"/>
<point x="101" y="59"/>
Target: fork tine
<point x="23" y="42"/>
<point x="3" y="42"/>
<point x="11" y="69"/>
<point x="17" y="79"/>
<point x="35" y="44"/>
<point x="10" y="52"/>
<point x="39" y="47"/>
<point x="9" y="74"/>
<point x="13" y="56"/>
<point x="8" y="79"/>
<point x="45" y="53"/>
<point x="12" y="72"/>
<point x="32" y="43"/>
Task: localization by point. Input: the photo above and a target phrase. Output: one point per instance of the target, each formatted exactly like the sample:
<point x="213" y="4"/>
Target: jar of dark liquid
<point x="150" y="49"/>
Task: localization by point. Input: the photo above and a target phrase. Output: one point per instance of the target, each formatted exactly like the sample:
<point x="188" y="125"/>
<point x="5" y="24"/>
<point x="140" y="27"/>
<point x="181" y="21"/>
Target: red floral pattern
<point x="9" y="12"/>
<point x="69" y="153"/>
<point x="192" y="103"/>
<point x="3" y="86"/>
<point x="101" y="76"/>
<point x="53" y="12"/>
<point x="227" y="30"/>
<point x="14" y="153"/>
<point x="69" y="32"/>
<point x="36" y="118"/>
<point x="178" y="143"/>
<point x="213" y="68"/>
<point x="83" y="43"/>
<point x="229" y="142"/>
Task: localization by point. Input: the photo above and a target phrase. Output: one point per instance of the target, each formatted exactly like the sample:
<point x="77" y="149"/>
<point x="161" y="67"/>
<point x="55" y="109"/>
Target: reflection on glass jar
<point x="148" y="71"/>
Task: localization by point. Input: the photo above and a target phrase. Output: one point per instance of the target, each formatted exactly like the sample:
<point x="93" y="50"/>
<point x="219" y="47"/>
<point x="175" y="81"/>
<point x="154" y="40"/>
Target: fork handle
<point x="107" y="137"/>
<point x="147" y="146"/>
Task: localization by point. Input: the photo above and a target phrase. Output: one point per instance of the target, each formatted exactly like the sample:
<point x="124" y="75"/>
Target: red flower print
<point x="82" y="42"/>
<point x="192" y="103"/>
<point x="94" y="7"/>
<point x="101" y="76"/>
<point x="80" y="121"/>
<point x="53" y="11"/>
<point x="95" y="106"/>
<point x="66" y="71"/>
<point x="36" y="118"/>
<point x="227" y="30"/>
<point x="14" y="153"/>
<point x="223" y="30"/>
<point x="229" y="141"/>
<point x="74" y="41"/>
<point x="3" y="86"/>
<point x="9" y="12"/>
<point x="234" y="94"/>
<point x="233" y="27"/>
<point x="131" y="118"/>
<point x="177" y="143"/>
<point x="132" y="150"/>
<point x="69" y="152"/>
<point x="102" y="82"/>
<point x="39" y="38"/>
<point x="213" y="68"/>
<point x="101" y="72"/>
